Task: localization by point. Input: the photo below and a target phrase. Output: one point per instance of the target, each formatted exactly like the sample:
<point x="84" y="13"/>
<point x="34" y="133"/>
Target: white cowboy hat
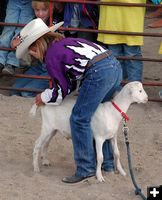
<point x="31" y="32"/>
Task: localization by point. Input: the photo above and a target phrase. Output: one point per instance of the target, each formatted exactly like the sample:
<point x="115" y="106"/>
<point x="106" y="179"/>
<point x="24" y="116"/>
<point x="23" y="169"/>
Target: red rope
<point x="121" y="112"/>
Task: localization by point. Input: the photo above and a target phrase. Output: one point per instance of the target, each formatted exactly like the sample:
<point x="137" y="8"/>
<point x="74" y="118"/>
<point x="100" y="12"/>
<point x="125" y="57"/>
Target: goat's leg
<point x="44" y="149"/>
<point x="36" y="155"/>
<point x="99" y="144"/>
<point x="116" y="153"/>
<point x="37" y="148"/>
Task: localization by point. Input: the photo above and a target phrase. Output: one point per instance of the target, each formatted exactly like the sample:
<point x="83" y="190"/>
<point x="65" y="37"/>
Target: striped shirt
<point x="65" y="61"/>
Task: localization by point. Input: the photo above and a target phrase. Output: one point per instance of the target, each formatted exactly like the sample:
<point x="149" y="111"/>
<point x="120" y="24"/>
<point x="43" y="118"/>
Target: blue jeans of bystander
<point x="31" y="83"/>
<point x="18" y="11"/>
<point x="132" y="69"/>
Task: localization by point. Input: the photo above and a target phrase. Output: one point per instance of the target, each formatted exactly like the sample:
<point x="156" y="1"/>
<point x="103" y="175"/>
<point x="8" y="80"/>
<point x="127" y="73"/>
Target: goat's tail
<point x="33" y="110"/>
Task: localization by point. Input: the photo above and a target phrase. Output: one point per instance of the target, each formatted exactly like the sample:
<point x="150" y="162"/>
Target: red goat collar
<point x="122" y="113"/>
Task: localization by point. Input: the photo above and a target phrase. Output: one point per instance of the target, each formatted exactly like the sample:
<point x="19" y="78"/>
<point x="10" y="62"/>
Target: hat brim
<point x="22" y="49"/>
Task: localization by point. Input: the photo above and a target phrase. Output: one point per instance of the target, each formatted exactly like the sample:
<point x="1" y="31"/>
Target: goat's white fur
<point x="104" y="123"/>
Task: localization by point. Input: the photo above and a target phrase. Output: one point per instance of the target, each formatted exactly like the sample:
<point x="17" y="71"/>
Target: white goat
<point x="104" y="123"/>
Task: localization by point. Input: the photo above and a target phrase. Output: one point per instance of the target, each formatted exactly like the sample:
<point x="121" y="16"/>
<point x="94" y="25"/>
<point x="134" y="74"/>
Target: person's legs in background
<point x="30" y="82"/>
<point x="38" y="84"/>
<point x="117" y="50"/>
<point x="12" y="15"/>
<point x="134" y="67"/>
<point x="17" y="12"/>
<point x="3" y="5"/>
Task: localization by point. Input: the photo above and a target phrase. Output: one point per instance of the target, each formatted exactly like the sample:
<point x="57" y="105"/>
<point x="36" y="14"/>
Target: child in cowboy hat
<point x="69" y="60"/>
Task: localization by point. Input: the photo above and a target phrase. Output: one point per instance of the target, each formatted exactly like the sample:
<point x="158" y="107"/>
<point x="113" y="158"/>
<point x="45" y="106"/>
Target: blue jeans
<point x="100" y="81"/>
<point x="132" y="69"/>
<point x="18" y="11"/>
<point x="31" y="83"/>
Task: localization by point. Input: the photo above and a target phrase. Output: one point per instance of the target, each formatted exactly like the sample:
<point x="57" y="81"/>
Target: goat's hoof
<point x="46" y="162"/>
<point x="123" y="173"/>
<point x="36" y="170"/>
<point x="100" y="179"/>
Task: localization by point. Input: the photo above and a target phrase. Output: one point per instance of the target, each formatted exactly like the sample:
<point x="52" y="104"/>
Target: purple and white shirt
<point x="65" y="61"/>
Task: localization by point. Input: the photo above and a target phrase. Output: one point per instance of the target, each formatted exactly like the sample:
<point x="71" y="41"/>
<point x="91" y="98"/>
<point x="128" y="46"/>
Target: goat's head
<point x="137" y="92"/>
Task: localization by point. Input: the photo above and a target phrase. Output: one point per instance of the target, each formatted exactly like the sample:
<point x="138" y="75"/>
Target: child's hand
<point x="15" y="42"/>
<point x="38" y="100"/>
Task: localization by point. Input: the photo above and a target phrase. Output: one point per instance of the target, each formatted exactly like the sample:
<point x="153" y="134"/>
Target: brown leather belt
<point x="98" y="58"/>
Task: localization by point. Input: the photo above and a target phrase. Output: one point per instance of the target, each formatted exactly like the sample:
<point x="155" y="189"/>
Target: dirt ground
<point x="18" y="133"/>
